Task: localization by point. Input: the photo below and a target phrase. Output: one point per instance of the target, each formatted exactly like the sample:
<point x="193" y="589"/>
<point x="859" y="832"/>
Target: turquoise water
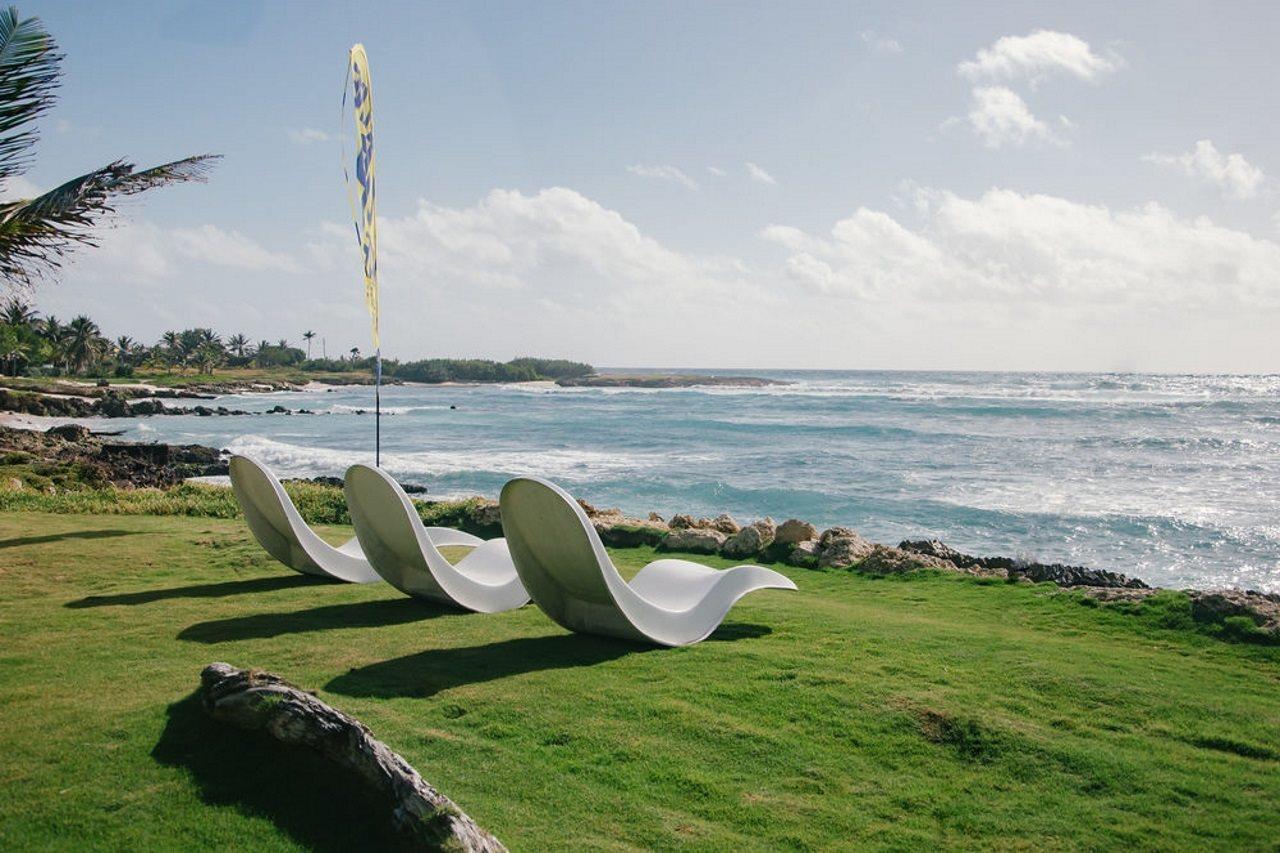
<point x="1172" y="478"/>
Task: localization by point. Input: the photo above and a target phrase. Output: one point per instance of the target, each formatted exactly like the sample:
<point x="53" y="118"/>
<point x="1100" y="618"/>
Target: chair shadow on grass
<point x="59" y="537"/>
<point x="360" y="614"/>
<point x="207" y="590"/>
<point x="424" y="674"/>
<point x="312" y="801"/>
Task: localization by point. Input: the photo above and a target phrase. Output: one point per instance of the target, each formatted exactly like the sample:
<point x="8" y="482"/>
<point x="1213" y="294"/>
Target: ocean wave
<point x="368" y="409"/>
<point x="576" y="465"/>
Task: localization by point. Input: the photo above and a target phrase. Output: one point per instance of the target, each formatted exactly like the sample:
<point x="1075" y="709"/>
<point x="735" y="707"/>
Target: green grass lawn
<point x="904" y="712"/>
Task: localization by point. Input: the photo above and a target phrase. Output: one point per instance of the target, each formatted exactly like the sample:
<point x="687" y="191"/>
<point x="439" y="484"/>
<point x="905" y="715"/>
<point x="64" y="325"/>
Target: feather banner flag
<point x="364" y="209"/>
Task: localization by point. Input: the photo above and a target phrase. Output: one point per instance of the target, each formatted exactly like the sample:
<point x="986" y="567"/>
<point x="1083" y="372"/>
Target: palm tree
<point x="171" y="342"/>
<point x="36" y="233"/>
<point x="54" y="335"/>
<point x="11" y="350"/>
<point x="282" y="343"/>
<point x="125" y="347"/>
<point x="16" y="312"/>
<point x="208" y="356"/>
<point x="307" y="336"/>
<point x="238" y="344"/>
<point x="83" y="343"/>
<point x="355" y="353"/>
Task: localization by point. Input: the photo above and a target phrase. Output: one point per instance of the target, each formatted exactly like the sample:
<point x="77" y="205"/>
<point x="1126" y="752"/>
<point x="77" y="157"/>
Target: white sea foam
<point x="578" y="465"/>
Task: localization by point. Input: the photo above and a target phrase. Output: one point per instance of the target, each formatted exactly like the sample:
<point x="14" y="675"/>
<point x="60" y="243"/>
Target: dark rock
<point x="1036" y="572"/>
<point x="69" y="432"/>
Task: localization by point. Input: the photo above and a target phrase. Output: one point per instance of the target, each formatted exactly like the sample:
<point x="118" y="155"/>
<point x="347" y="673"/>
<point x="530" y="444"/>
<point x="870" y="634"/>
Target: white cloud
<point x="555" y="242"/>
<point x="143" y="250"/>
<point x="877" y="42"/>
<point x="760" y="175"/>
<point x="1009" y="248"/>
<point x="717" y="171"/>
<point x="213" y="245"/>
<point x="664" y="173"/>
<point x="1037" y="56"/>
<point x="999" y="118"/>
<point x="1232" y="174"/>
<point x="308" y="135"/>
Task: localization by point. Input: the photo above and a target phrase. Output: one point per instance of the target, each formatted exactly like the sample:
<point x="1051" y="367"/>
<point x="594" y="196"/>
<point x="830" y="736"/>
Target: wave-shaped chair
<point x="406" y="554"/>
<point x="283" y="534"/>
<point x="567" y="572"/>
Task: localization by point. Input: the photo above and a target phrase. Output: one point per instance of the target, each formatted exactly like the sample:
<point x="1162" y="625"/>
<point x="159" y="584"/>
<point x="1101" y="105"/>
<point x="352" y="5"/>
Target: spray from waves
<point x="574" y="465"/>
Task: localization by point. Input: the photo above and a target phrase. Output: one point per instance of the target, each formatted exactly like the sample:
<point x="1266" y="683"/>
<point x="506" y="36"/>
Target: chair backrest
<point x="266" y="509"/>
<point x="391" y="533"/>
<point x="561" y="560"/>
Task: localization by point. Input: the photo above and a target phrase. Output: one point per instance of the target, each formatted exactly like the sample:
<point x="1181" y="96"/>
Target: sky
<point x="1021" y="186"/>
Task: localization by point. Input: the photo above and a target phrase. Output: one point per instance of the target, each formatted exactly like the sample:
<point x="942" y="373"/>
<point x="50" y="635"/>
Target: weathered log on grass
<point x="260" y="701"/>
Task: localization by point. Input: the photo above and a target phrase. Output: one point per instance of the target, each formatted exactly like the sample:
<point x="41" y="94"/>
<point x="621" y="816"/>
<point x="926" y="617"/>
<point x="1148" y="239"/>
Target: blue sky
<point x="1018" y="186"/>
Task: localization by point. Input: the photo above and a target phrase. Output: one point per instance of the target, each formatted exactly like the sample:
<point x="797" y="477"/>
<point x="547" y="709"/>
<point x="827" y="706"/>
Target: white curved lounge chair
<point x="569" y="575"/>
<point x="406" y="554"/>
<point x="280" y="530"/>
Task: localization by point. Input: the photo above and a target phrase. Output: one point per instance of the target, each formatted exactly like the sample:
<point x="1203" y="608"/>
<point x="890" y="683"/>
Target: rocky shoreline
<point x="95" y="460"/>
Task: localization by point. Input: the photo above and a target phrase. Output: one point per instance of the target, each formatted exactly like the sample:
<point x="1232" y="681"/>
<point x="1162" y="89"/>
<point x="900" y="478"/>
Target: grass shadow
<point x="208" y="590"/>
<point x="363" y="614"/>
<point x="424" y="674"/>
<point x="59" y="537"/>
<point x="317" y="804"/>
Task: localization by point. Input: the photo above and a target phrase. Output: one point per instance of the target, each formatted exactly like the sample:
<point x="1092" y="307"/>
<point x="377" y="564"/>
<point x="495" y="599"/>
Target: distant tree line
<point x="40" y="346"/>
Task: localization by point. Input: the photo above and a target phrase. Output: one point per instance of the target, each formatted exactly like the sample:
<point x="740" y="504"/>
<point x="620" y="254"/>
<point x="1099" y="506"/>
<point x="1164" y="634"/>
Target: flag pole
<point x="377" y="408"/>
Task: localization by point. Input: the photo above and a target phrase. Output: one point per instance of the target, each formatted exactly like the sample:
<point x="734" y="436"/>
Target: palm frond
<point x="36" y="233"/>
<point x="29" y="72"/>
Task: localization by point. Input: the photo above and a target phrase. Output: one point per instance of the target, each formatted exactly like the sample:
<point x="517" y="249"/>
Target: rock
<point x="724" y="523"/>
<point x="1218" y="604"/>
<point x="413" y="489"/>
<point x="13" y="484"/>
<point x="1211" y="606"/>
<point x="681" y="522"/>
<point x="793" y="531"/>
<point x="629" y="532"/>
<point x="941" y="550"/>
<point x="1074" y="575"/>
<point x="657" y="519"/>
<point x="884" y="560"/>
<point x="840" y="548"/>
<point x="1019" y="569"/>
<point x="486" y="514"/>
<point x="69" y="432"/>
<point x="836" y="533"/>
<point x="258" y="701"/>
<point x="587" y="508"/>
<point x="804" y="554"/>
<point x="694" y="540"/>
<point x="750" y="540"/>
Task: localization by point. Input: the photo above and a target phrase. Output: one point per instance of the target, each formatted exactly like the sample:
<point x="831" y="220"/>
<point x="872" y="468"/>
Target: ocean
<point x="1174" y="479"/>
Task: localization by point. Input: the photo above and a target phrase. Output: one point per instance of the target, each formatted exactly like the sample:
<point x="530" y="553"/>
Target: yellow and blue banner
<point x="364" y="208"/>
